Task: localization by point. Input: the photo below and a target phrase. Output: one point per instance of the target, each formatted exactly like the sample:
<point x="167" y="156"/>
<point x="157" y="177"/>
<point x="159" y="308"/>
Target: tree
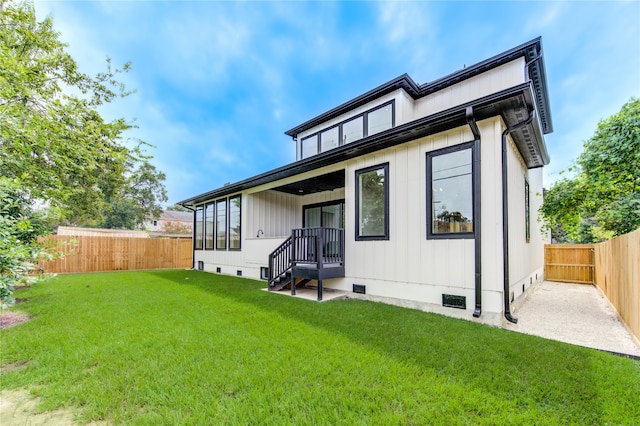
<point x="140" y="199"/>
<point x="602" y="200"/>
<point x="20" y="227"/>
<point x="52" y="136"/>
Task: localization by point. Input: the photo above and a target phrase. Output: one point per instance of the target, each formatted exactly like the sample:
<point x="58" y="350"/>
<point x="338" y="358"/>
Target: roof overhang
<point x="514" y="106"/>
<point x="531" y="51"/>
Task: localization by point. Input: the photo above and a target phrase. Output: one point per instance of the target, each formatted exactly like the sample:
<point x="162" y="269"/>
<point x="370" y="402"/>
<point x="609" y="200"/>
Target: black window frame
<point x="365" y="128"/>
<point x="199" y="208"/>
<point x="226" y="224"/>
<point x="385" y="235"/>
<point x="239" y="197"/>
<point x="474" y="176"/>
<point x="205" y="228"/>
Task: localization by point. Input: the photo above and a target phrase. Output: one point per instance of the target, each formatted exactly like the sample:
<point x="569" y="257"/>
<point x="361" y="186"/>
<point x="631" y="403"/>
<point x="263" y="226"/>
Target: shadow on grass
<point x="555" y="377"/>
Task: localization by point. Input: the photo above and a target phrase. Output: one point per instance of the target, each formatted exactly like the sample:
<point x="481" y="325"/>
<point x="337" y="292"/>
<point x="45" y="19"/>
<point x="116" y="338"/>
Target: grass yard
<point x="188" y="347"/>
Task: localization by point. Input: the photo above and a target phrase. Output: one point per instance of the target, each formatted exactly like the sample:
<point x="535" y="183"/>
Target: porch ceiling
<point x="321" y="183"/>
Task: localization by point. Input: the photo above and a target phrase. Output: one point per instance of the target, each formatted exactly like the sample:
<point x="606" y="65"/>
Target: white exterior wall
<point x="526" y="259"/>
<point x="499" y="78"/>
<point x="409" y="267"/>
<point x="407" y="110"/>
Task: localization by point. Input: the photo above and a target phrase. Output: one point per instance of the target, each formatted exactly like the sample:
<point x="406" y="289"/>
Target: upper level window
<point x="309" y="146"/>
<point x="366" y="124"/>
<point x="450" y="192"/>
<point x="353" y="130"/>
<point x="372" y="203"/>
<point x="380" y="119"/>
<point x="329" y="139"/>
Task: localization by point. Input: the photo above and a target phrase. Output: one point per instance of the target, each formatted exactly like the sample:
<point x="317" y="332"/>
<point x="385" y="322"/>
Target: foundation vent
<point x="360" y="288"/>
<point x="200" y="265"/>
<point x="453" y="301"/>
<point x="264" y="273"/>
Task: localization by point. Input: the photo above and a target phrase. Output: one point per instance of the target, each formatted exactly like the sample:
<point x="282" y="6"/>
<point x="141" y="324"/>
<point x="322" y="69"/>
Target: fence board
<point x="569" y="263"/>
<point x="93" y="254"/>
<point x="617" y="264"/>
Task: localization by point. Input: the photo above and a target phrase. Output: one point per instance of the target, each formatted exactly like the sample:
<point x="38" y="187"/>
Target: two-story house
<point x="424" y="194"/>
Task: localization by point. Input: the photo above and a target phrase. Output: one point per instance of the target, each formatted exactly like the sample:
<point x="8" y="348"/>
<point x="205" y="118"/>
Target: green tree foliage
<point x="52" y="136"/>
<point x="140" y="199"/>
<point x="20" y="227"/>
<point x="602" y="200"/>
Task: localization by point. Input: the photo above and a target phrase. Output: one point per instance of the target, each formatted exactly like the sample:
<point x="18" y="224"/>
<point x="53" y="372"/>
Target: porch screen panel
<point x="221" y="225"/>
<point x="208" y="226"/>
<point x="372" y="203"/>
<point x="198" y="218"/>
<point x="234" y="223"/>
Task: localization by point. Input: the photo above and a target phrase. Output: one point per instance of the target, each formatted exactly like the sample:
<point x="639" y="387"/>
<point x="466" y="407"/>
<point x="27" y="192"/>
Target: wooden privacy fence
<point x="617" y="274"/>
<point x="93" y="254"/>
<point x="572" y="263"/>
<point x="614" y="266"/>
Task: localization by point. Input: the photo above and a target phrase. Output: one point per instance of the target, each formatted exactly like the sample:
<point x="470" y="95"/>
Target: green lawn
<point x="188" y="347"/>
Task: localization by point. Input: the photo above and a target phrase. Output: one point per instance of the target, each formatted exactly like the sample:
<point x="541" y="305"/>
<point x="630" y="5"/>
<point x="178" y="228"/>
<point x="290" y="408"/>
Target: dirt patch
<point x="18" y="407"/>
<point x="11" y="318"/>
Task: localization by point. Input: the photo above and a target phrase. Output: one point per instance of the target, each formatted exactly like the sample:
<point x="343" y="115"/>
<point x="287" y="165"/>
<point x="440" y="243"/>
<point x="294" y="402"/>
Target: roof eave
<point x="519" y="96"/>
<point x="529" y="50"/>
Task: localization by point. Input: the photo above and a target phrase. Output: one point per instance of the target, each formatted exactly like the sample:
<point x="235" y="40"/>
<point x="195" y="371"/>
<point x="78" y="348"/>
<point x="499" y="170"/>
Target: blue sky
<point x="218" y="83"/>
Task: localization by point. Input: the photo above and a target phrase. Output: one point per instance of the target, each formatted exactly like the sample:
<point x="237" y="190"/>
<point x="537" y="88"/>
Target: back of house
<point x="422" y="195"/>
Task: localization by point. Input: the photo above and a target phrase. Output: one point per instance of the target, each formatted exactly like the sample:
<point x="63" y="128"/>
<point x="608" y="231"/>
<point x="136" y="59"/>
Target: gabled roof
<point x="100" y="232"/>
<point x="174" y="215"/>
<point x="531" y="51"/>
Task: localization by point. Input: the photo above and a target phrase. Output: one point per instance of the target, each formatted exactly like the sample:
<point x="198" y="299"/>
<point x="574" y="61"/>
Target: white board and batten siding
<point x="409" y="266"/>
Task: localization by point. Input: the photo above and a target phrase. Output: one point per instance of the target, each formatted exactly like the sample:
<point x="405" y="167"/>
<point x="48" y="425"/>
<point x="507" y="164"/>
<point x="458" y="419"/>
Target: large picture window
<point x="221" y="224"/>
<point x="234" y="223"/>
<point x="450" y="192"/>
<point x="197" y="229"/>
<point x="208" y="226"/>
<point x="372" y="203"/>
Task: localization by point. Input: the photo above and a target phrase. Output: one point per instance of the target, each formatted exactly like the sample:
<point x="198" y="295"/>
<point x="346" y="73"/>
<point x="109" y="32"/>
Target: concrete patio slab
<point x="573" y="313"/>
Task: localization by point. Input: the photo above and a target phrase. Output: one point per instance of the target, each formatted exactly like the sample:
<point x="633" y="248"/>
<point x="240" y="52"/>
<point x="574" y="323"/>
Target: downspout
<point x="471" y="121"/>
<point x="505" y="216"/>
<point x="193" y="236"/>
